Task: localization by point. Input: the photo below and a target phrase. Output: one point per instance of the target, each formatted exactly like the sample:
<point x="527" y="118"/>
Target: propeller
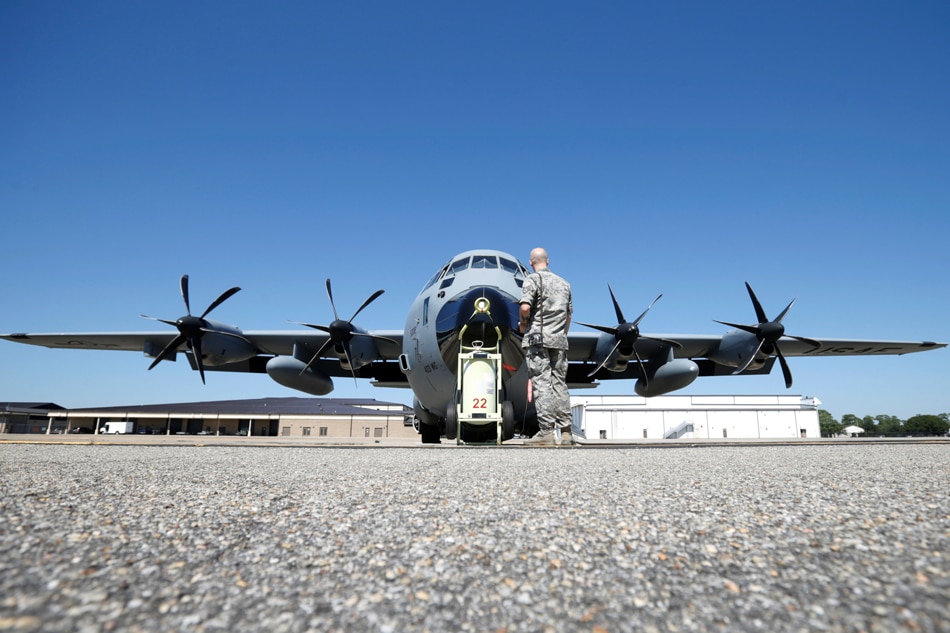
<point x="768" y="334"/>
<point x="342" y="332"/>
<point x="627" y="334"/>
<point x="190" y="328"/>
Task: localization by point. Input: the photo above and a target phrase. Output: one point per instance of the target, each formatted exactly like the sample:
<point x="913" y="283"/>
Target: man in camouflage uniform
<point x="546" y="310"/>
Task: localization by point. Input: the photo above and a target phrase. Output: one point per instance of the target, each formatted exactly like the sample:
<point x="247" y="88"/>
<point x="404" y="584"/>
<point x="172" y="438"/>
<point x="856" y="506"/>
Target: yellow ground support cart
<point x="478" y="397"/>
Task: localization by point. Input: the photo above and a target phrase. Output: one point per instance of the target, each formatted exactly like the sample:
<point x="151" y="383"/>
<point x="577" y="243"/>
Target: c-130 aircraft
<point x="469" y="310"/>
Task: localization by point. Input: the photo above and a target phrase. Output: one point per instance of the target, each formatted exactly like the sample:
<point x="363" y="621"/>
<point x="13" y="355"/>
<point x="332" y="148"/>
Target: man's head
<point x="538" y="258"/>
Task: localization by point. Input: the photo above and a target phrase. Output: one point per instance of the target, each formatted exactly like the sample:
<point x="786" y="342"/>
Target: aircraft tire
<point x="452" y="424"/>
<point x="507" y="420"/>
<point x="430" y="433"/>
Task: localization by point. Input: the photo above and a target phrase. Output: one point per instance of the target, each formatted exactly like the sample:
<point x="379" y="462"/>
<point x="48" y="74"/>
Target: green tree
<point x="889" y="424"/>
<point x="849" y="419"/>
<point x="827" y="423"/>
<point x="926" y="425"/>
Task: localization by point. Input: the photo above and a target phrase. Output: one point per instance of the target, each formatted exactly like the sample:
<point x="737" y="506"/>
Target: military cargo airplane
<point x="467" y="309"/>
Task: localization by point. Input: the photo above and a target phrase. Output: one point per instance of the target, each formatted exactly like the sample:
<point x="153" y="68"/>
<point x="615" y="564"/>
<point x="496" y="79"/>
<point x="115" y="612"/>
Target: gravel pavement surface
<point x="719" y="538"/>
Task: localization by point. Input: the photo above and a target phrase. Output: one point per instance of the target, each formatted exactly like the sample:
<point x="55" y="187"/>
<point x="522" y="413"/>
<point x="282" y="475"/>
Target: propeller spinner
<point x="190" y="328"/>
<point x="768" y="334"/>
<point x="627" y="334"/>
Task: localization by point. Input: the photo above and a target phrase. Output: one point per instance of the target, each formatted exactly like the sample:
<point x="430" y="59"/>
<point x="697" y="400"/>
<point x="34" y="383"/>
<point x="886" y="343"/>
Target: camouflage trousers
<point x="548" y="371"/>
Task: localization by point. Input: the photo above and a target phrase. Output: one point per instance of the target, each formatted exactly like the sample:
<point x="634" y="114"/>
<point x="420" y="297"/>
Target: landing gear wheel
<point x="507" y="420"/>
<point x="452" y="424"/>
<point x="430" y="433"/>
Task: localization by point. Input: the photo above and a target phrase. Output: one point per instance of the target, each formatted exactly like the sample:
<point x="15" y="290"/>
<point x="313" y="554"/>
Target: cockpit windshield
<point x="480" y="261"/>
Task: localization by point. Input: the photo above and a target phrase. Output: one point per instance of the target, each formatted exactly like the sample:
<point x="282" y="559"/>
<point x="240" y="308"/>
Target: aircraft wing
<point x="701" y="348"/>
<point x="583" y="345"/>
<point x="266" y="343"/>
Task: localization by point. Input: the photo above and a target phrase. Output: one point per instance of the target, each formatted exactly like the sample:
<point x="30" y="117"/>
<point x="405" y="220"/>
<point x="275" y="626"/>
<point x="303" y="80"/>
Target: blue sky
<point x="682" y="148"/>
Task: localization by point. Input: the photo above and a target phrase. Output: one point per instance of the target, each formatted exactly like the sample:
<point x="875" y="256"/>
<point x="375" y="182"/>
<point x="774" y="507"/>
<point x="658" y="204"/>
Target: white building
<point x="695" y="417"/>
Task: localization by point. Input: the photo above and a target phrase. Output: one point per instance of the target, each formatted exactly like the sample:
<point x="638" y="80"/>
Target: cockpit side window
<point x="511" y="267"/>
<point x="458" y="265"/>
<point x="436" y="276"/>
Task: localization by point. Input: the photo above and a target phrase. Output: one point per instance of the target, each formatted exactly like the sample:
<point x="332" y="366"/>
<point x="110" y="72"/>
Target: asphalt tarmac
<point x="197" y="535"/>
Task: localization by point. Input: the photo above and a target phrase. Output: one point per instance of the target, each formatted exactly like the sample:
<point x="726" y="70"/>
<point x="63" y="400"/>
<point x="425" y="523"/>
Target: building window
<point x="323" y="431"/>
<point x="306" y="430"/>
<point x="285" y="430"/>
<point x="378" y="432"/>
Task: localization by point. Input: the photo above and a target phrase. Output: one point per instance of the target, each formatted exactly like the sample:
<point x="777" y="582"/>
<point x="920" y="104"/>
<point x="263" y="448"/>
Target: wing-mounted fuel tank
<point x="667" y="377"/>
<point x="293" y="373"/>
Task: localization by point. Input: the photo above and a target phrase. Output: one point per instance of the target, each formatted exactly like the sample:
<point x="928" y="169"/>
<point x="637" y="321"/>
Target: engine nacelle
<point x="222" y="349"/>
<point x="362" y="352"/>
<point x="285" y="370"/>
<point x="737" y="346"/>
<point x="616" y="361"/>
<point x="670" y="376"/>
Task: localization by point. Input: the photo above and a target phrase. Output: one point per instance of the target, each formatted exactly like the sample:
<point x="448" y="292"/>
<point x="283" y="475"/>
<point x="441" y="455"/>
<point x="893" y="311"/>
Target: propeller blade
<point x="221" y="299"/>
<point x="376" y="337"/>
<point x="336" y="317"/>
<point x="606" y="358"/>
<point x="166" y="322"/>
<point x="779" y="318"/>
<point x="637" y="322"/>
<point x="759" y="312"/>
<point x="643" y="370"/>
<point x="803" y="339"/>
<point x="322" y="328"/>
<point x="317" y="355"/>
<point x="349" y="361"/>
<point x="184" y="293"/>
<point x="617" y="309"/>
<point x="751" y="329"/>
<point x="196" y="350"/>
<point x="749" y="360"/>
<point x="602" y="328"/>
<point x="371" y="299"/>
<point x="785" y="370"/>
<point x="169" y="350"/>
<point x="231" y="334"/>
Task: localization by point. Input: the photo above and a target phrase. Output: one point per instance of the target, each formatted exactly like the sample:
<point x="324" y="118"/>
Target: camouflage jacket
<point x="550" y="299"/>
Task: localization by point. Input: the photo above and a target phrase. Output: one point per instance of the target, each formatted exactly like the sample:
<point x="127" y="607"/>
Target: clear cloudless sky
<point x="680" y="148"/>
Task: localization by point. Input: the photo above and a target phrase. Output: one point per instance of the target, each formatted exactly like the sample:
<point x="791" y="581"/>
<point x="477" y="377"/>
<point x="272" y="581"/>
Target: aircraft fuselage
<point x="472" y="301"/>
